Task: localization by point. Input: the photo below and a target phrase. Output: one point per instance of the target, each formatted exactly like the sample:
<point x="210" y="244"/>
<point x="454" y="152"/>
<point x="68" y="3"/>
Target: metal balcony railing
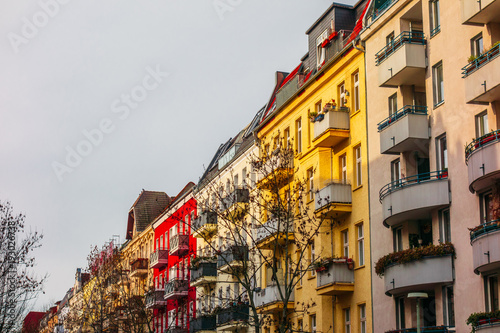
<point x="410" y="181"/>
<point x="234" y="253"/>
<point x="406" y="37"/>
<point x="407" y="109"/>
<point x="481" y="61"/>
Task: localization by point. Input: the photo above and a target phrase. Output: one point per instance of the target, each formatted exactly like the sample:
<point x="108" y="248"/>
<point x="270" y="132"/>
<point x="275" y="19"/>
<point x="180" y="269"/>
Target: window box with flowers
<point x="481" y="320"/>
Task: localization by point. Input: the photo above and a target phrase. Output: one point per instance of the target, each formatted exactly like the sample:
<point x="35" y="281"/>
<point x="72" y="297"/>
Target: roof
<point x="335" y="4"/>
<point x="145" y="209"/>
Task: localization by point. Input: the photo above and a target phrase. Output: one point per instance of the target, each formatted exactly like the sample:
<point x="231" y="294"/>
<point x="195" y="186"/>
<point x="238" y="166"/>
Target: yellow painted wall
<point x="325" y="162"/>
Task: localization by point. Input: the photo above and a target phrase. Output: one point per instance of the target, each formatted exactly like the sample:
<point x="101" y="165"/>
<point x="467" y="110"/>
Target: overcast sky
<point x="101" y="99"/>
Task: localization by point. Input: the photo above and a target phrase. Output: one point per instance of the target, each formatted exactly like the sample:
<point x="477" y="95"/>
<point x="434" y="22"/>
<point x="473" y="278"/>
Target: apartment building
<point x="320" y="115"/>
<point x="171" y="297"/>
<point x="431" y="80"/>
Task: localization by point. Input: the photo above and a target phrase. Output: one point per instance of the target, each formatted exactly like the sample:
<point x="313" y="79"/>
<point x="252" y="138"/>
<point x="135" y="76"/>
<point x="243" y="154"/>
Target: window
<point x="300" y="325"/>
<point x="342" y="95"/>
<point x="320" y="51"/>
<point x="313" y="272"/>
<point x="434" y="19"/>
<point x="361" y="245"/>
<point x="397" y="239"/>
<point x="287" y="137"/>
<point x="345" y="241"/>
<point x="481" y="124"/>
<point x="355" y="95"/>
<point x="485" y="200"/>
<point x="396" y="171"/>
<point x="445" y="226"/>
<point x="362" y="318"/>
<point x="343" y="168"/>
<point x="442" y="151"/>
<point x="491" y="292"/>
<point x="347" y="320"/>
<point x="400" y="313"/>
<point x="393" y="104"/>
<point x="244" y="176"/>
<point x="313" y="323"/>
<point x="438" y="83"/>
<point x="476" y="45"/>
<point x="298" y="135"/>
<point x="317" y="107"/>
<point x="310" y="184"/>
<point x="389" y="40"/>
<point x="357" y="154"/>
<point x="448" y="306"/>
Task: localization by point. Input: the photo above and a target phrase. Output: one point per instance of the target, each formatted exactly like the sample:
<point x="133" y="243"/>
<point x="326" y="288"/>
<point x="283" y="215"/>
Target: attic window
<point x="320" y="51"/>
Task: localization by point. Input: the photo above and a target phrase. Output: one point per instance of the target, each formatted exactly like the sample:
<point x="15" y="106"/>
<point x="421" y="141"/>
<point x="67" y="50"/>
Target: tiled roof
<point x="145" y="209"/>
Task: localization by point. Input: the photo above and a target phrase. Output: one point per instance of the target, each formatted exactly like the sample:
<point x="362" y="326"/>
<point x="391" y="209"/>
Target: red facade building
<point x="172" y="298"/>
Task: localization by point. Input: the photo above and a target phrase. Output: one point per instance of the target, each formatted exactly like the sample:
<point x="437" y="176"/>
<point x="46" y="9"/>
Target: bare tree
<point x="264" y="240"/>
<point x="18" y="284"/>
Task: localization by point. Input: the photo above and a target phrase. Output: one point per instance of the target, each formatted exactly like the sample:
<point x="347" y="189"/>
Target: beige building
<point x="426" y="103"/>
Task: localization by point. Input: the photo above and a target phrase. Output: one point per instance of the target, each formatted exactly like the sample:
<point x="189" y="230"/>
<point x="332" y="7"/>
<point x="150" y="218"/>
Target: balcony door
<point x="429" y="310"/>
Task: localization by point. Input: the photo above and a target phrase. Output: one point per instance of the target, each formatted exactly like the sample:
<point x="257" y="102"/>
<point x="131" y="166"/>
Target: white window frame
<point x="362" y="318"/>
<point x="481" y="120"/>
<point x="298" y="125"/>
<point x="347" y="320"/>
<point x="442" y="152"/>
<point x="393" y="104"/>
<point x="320" y="51"/>
<point x="361" y="244"/>
<point x="434" y="13"/>
<point x="345" y="242"/>
<point x="342" y="94"/>
<point x="310" y="177"/>
<point x="356" y="97"/>
<point x="312" y="249"/>
<point x="359" y="166"/>
<point x="438" y="83"/>
<point x="313" y="323"/>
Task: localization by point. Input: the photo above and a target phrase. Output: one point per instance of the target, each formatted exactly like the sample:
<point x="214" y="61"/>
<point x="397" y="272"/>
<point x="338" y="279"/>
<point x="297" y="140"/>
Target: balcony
<point x="234" y="204"/>
<point x="277" y="170"/>
<point x="205" y="224"/>
<point x="139" y="268"/>
<point x="402" y="62"/>
<point x="269" y="299"/>
<point x="176" y="329"/>
<point x="276" y="231"/>
<point x="233" y="259"/>
<point x="483" y="161"/>
<point x="158" y="259"/>
<point x="482" y="84"/>
<point x="337" y="279"/>
<point x="233" y="318"/>
<point x="203" y="323"/>
<point x="420" y="275"/>
<point x="480" y="11"/>
<point x="176" y="288"/>
<point x="334" y="199"/>
<point x="205" y="272"/>
<point x="427" y="329"/>
<point x="485" y="241"/>
<point x="414" y="197"/>
<point x="332" y="129"/>
<point x="155" y="300"/>
<point x="405" y="130"/>
<point x="179" y="245"/>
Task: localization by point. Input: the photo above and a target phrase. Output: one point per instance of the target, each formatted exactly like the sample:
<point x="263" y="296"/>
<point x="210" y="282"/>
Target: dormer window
<point x="320" y="51"/>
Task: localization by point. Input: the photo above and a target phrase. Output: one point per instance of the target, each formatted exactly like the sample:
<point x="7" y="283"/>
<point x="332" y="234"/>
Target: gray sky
<point x="143" y="92"/>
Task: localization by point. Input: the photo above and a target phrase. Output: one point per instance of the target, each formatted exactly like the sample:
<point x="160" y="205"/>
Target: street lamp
<point x="418" y="296"/>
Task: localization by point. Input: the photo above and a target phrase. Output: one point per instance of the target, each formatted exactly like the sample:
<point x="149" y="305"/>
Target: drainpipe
<point x="357" y="48"/>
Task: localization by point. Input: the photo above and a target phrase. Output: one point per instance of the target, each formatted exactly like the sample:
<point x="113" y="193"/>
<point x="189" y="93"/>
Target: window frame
<point x="298" y="134"/>
<point x="392" y="102"/>
<point x="481" y="122"/>
<point x="434" y="19"/>
<point x="362" y="318"/>
<point x="355" y="94"/>
<point x="345" y="243"/>
<point x="438" y="83"/>
<point x="477" y="45"/>
<point x="358" y="166"/>
<point x="347" y="320"/>
<point x="442" y="153"/>
<point x="361" y="244"/>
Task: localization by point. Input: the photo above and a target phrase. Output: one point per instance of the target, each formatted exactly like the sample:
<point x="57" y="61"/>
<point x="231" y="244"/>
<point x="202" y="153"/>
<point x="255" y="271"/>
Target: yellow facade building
<point x="320" y="113"/>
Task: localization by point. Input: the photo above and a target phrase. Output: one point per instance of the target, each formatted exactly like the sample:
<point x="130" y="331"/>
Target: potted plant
<point x="483" y="318"/>
<point x="313" y="115"/>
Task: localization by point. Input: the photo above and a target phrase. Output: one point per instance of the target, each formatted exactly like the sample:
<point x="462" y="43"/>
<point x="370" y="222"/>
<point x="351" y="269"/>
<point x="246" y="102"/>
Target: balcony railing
<point x="482" y="157"/>
<point x="406" y="37"/>
<point x="234" y="256"/>
<point x="179" y="245"/>
<point x="331" y="128"/>
<point x="204" y="224"/>
<point x="481" y="61"/>
<point x="407" y="109"/>
<point x="233" y="315"/>
<point x="176" y="288"/>
<point x="336" y="278"/>
<point x="485" y="240"/>
<point x="337" y="193"/>
<point x="277" y="170"/>
<point x="405" y="130"/>
<point x="203" y="323"/>
<point x="159" y="258"/>
<point x="274" y="226"/>
<point x="154" y="299"/>
<point x="270" y="299"/>
<point x="237" y="196"/>
<point x="427" y="329"/>
<point x="414" y="197"/>
<point x="139" y="267"/>
<point x="381" y="9"/>
<point x="204" y="272"/>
